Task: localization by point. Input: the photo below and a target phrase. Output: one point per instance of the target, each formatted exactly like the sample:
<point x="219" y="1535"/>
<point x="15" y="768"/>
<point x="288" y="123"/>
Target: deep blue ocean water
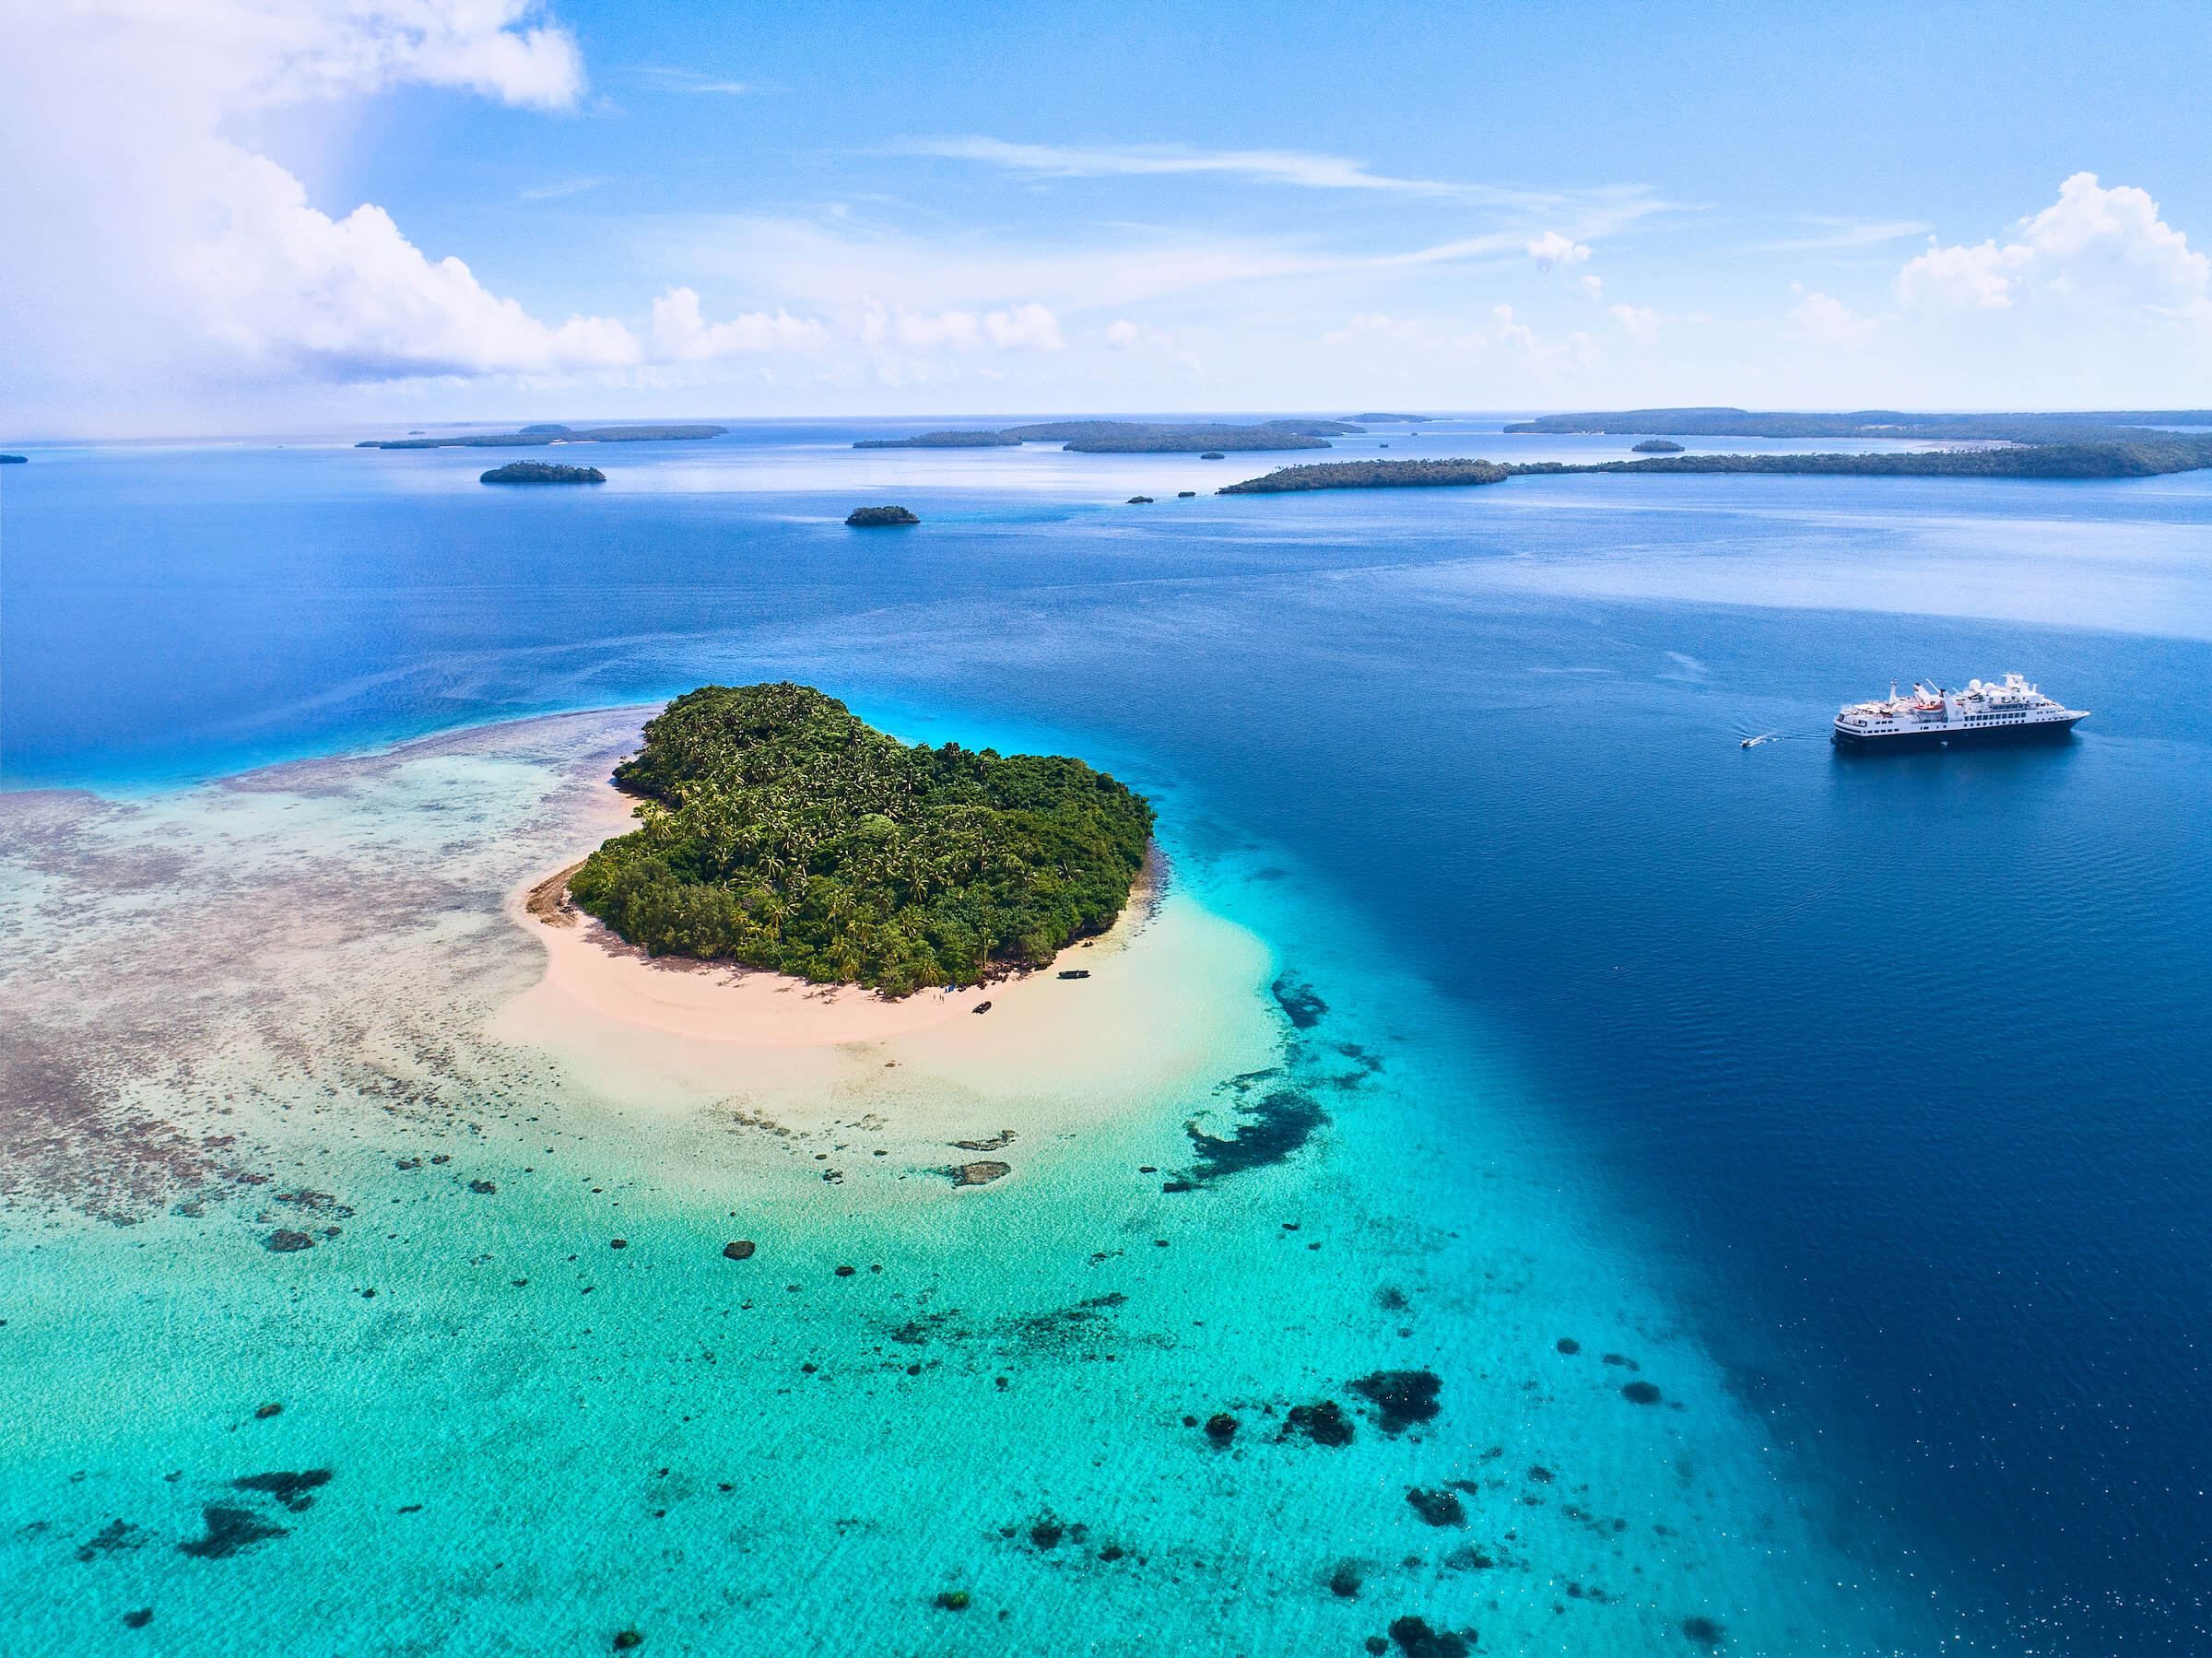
<point x="1899" y="1067"/>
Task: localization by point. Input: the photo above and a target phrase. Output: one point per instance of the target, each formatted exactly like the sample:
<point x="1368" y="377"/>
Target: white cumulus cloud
<point x="679" y="335"/>
<point x="2092" y="244"/>
<point x="1552" y="249"/>
<point x="1828" y="321"/>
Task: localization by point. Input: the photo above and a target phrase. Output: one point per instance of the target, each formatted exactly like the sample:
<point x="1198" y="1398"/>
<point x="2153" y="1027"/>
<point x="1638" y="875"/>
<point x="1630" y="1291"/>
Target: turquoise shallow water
<point x="1611" y="1050"/>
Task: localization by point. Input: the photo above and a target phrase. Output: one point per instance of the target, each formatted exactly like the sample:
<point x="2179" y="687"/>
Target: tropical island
<point x="530" y="435"/>
<point x="2150" y="456"/>
<point x="2101" y="426"/>
<point x="538" y="471"/>
<point x="1133" y="437"/>
<point x="1394" y="420"/>
<point x="14" y="460"/>
<point x="781" y="832"/>
<point x="1656" y="446"/>
<point x="879" y="518"/>
<point x="1373" y="474"/>
<point x="943" y="440"/>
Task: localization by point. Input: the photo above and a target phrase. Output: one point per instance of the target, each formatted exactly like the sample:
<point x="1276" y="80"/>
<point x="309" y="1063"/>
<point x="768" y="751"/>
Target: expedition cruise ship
<point x="2014" y="712"/>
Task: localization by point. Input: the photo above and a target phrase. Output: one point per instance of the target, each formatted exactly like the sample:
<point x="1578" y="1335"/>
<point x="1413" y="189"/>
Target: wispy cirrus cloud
<point x="1159" y="160"/>
<point x="1835" y="233"/>
<point x="691" y="80"/>
<point x="548" y="192"/>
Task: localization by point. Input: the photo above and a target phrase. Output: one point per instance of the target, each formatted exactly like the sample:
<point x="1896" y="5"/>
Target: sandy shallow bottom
<point x="1245" y="1167"/>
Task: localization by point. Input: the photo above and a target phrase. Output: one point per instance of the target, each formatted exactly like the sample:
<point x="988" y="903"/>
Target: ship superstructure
<point x="2012" y="711"/>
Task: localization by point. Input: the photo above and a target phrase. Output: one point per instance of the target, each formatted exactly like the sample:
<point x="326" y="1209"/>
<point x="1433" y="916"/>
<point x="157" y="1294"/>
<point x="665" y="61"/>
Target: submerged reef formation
<point x="879" y="518"/>
<point x="538" y="471"/>
<point x="530" y="435"/>
<point x="782" y="832"/>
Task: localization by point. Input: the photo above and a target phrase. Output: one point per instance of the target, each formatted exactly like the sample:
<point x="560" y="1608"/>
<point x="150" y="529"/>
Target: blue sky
<point x="236" y="216"/>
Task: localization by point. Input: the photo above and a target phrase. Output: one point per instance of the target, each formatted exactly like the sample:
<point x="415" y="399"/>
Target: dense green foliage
<point x="782" y="832"/>
<point x="534" y="436"/>
<point x="1374" y="475"/>
<point x="537" y="472"/>
<point x="879" y="518"/>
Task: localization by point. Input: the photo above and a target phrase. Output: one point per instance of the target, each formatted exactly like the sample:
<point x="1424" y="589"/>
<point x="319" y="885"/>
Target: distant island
<point x="1374" y="475"/>
<point x="783" y="833"/>
<point x="1133" y="437"/>
<point x="1394" y="420"/>
<point x="2104" y="426"/>
<point x="537" y="472"/>
<point x="530" y="435"/>
<point x="2148" y="457"/>
<point x="877" y="518"/>
<point x="14" y="460"/>
<point x="1656" y="446"/>
<point x="943" y="440"/>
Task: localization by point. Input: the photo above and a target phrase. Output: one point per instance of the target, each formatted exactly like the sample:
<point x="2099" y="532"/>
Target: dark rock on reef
<point x="1345" y="1580"/>
<point x="1640" y="1393"/>
<point x="290" y="1489"/>
<point x="1300" y="1005"/>
<point x="997" y="1142"/>
<point x="1402" y="1397"/>
<point x="627" y="1639"/>
<point x="978" y="1174"/>
<point x="877" y="518"/>
<point x="1221" y="1428"/>
<point x="229" y="1530"/>
<point x="740" y="1250"/>
<point x="111" y="1538"/>
<point x="1416" y="1640"/>
<point x="1622" y="1359"/>
<point x="1325" y="1423"/>
<point x="282" y="1243"/>
<point x="482" y="1188"/>
<point x="952" y="1600"/>
<point x="1656" y="446"/>
<point x="618" y="1244"/>
<point x="1376" y="1644"/>
<point x="273" y="1408"/>
<point x="1540" y="1473"/>
<point x="139" y="1620"/>
<point x="1569" y="1346"/>
<point x="1047" y="1533"/>
<point x="1704" y="1631"/>
<point x="1438" y="1508"/>
<point x="538" y="471"/>
<point x="1277" y="1126"/>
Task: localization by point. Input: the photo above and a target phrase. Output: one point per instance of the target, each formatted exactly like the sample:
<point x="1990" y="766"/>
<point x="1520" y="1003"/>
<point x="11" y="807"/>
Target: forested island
<point x="1133" y="437"/>
<point x="2148" y="457"/>
<point x="537" y="472"/>
<point x="1373" y="474"/>
<point x="781" y="832"/>
<point x="2105" y="426"/>
<point x="14" y="460"/>
<point x="943" y="440"/>
<point x="879" y="518"/>
<point x="530" y="436"/>
<point x="1656" y="446"/>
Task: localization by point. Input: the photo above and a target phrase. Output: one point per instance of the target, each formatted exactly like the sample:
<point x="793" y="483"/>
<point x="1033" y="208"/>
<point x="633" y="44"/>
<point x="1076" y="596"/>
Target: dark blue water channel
<point x="1906" y="1060"/>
